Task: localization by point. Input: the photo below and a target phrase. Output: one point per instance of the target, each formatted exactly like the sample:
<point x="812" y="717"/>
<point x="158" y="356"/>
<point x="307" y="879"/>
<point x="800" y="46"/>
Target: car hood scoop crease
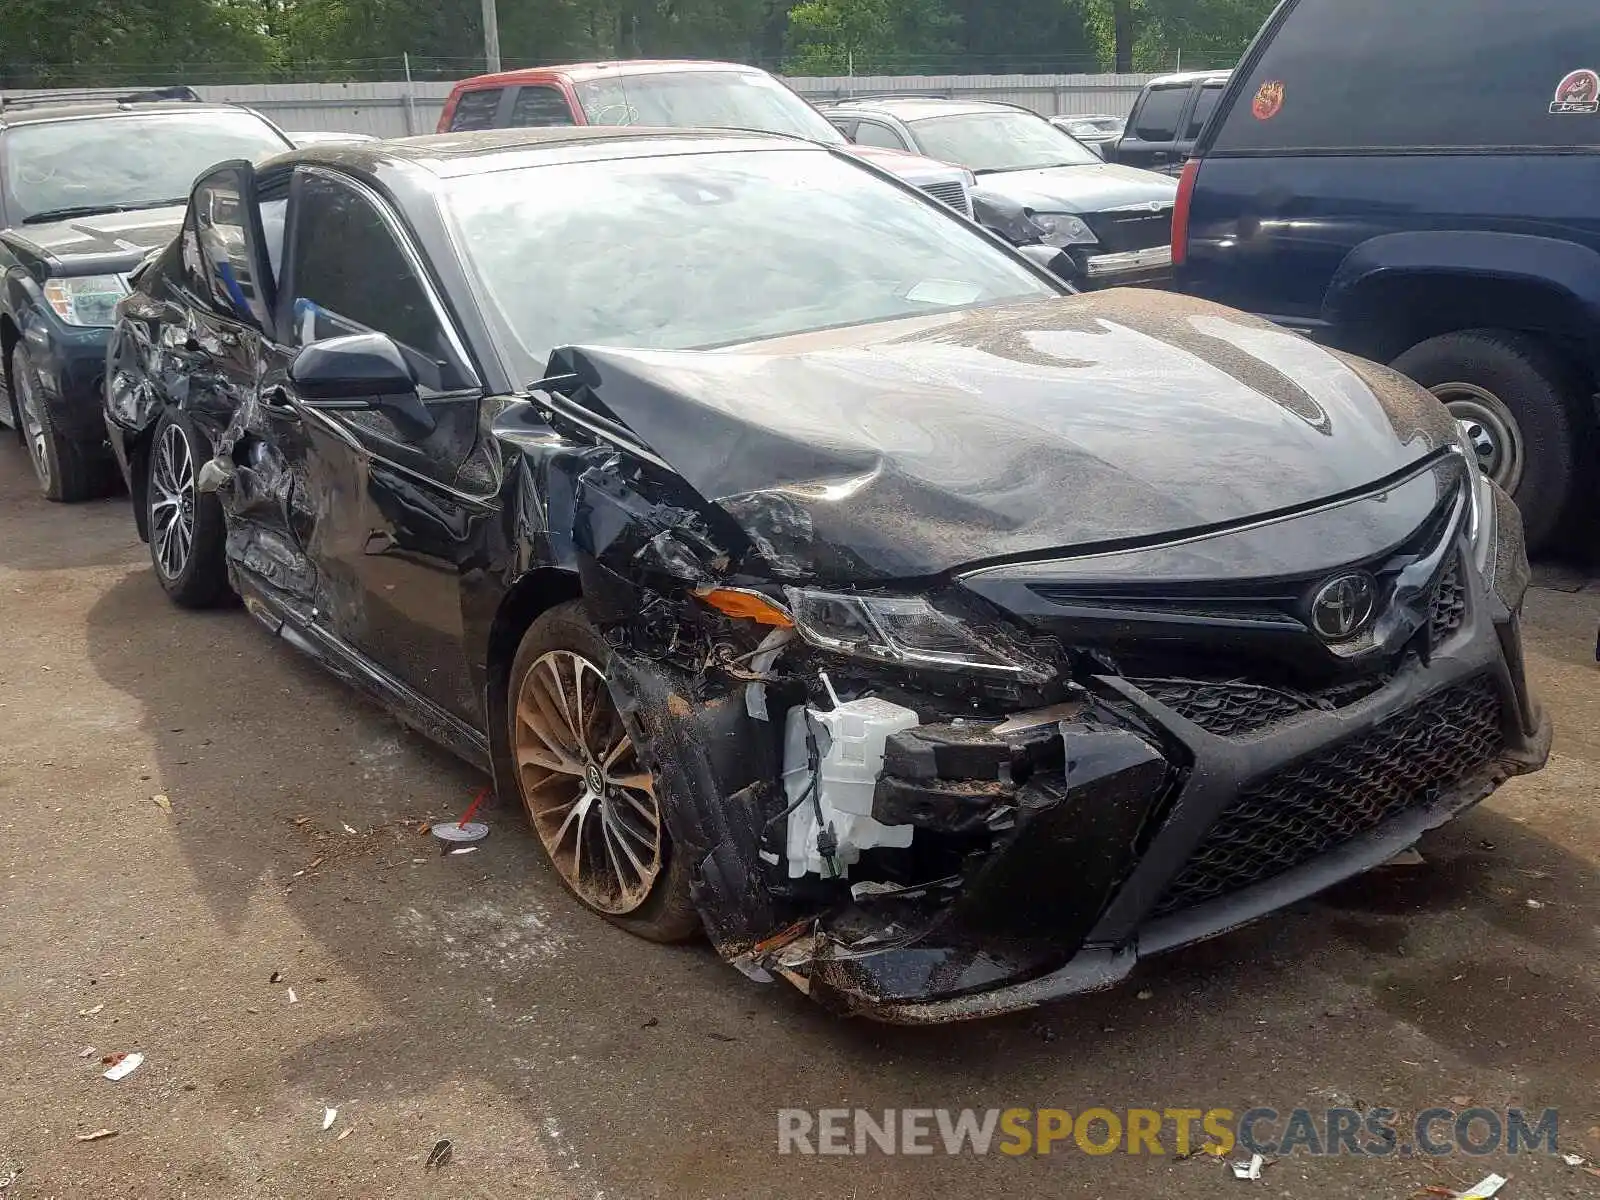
<point x="909" y="448"/>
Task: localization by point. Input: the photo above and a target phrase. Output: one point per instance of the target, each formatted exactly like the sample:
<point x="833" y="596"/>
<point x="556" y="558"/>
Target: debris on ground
<point x="302" y="822"/>
<point x="275" y="977"/>
<point x="349" y="829"/>
<point x="651" y="1023"/>
<point x="293" y="999"/>
<point x="344" y="1133"/>
<point x="329" y="1116"/>
<point x="162" y="802"/>
<point x="1407" y="858"/>
<point x="89" y="1012"/>
<point x="1249" y="1170"/>
<point x="122" y="1065"/>
<point x="97" y="1135"/>
<point x="439" y="1156"/>
<point x="1574" y="1160"/>
<point x="1532" y="903"/>
<point x="1147" y="994"/>
<point x="1484" y="1188"/>
<point x="8" y="1175"/>
<point x="86" y="1052"/>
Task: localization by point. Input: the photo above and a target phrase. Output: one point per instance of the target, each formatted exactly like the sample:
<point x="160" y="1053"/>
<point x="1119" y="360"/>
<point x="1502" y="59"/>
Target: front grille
<point x="953" y="194"/>
<point x="1292" y="817"/>
<point x="1447" y="612"/>
<point x="1233" y="709"/>
<point x="1135" y="230"/>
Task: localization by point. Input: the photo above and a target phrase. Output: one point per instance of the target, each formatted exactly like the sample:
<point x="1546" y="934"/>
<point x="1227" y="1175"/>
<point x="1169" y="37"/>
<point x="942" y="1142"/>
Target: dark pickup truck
<point x="1419" y="183"/>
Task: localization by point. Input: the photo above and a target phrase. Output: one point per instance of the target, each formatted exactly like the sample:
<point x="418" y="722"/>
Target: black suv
<point x="87" y="191"/>
<point x="1427" y="200"/>
<point x="1166" y="121"/>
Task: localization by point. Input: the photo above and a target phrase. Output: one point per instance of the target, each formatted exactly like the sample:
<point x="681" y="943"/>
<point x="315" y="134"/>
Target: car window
<point x="703" y="100"/>
<point x="476" y="109"/>
<point x="541" y="105"/>
<point x="133" y="160"/>
<point x="348" y="274"/>
<point x="1157" y="119"/>
<point x="655" y="252"/>
<point x="999" y="140"/>
<point x="870" y="133"/>
<point x="1374" y="74"/>
<point x="1205" y="104"/>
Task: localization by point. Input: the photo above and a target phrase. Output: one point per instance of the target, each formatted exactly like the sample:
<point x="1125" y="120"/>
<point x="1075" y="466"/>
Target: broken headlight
<point x="898" y="629"/>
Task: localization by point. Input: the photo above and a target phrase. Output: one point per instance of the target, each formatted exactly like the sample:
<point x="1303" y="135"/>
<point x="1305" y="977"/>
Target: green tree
<point x="833" y="37"/>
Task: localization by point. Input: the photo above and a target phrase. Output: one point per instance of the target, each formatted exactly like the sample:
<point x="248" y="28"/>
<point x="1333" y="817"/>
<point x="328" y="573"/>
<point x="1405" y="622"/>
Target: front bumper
<point x="1131" y="266"/>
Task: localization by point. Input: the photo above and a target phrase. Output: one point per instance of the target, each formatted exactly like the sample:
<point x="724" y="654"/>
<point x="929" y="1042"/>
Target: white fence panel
<point x="395" y="109"/>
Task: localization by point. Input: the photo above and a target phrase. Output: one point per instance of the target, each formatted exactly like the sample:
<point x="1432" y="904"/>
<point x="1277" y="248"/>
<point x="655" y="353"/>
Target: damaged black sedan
<point x="812" y="569"/>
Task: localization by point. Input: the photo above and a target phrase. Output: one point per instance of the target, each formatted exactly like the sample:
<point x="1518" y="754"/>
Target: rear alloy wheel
<point x="1518" y="401"/>
<point x="593" y="805"/>
<point x="187" y="530"/>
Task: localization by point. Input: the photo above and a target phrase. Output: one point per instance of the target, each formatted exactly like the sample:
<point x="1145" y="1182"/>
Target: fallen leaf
<point x="346" y="1132"/>
<point x="1461" y="1101"/>
<point x="161" y="802"/>
<point x="302" y="821"/>
<point x="97" y="1135"/>
<point x="89" y="1012"/>
<point x="424" y="827"/>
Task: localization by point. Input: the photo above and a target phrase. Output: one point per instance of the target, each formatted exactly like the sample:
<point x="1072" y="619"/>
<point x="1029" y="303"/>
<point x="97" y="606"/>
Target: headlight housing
<point x="86" y="299"/>
<point x="905" y="630"/>
<point x="1062" y="230"/>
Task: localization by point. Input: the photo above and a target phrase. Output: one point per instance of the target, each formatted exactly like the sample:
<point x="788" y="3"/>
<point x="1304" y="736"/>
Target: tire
<point x="194" y="573"/>
<point x="549" y="660"/>
<point x="68" y="471"/>
<point x="1524" y="400"/>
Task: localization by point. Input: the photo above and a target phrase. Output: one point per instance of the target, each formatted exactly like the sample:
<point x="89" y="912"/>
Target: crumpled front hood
<point x="911" y="448"/>
<point x="1086" y="189"/>
<point x="112" y="241"/>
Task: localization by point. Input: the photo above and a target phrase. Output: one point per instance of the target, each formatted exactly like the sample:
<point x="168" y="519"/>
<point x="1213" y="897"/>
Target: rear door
<point x="1153" y="138"/>
<point x="382" y="514"/>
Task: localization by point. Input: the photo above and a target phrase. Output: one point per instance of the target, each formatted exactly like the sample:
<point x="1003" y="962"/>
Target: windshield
<point x="704" y="100"/>
<point x="123" y="161"/>
<point x="999" y="141"/>
<point x="711" y="249"/>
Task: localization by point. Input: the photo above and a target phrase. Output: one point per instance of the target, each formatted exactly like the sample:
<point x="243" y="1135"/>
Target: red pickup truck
<point x="677" y="94"/>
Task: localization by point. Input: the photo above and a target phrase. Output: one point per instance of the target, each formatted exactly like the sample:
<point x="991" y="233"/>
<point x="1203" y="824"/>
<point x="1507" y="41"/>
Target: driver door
<point x="378" y="511"/>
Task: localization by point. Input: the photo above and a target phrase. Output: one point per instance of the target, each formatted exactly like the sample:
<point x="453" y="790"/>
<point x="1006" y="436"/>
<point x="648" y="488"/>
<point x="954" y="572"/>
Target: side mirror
<point x="1058" y="262"/>
<point x="362" y="371"/>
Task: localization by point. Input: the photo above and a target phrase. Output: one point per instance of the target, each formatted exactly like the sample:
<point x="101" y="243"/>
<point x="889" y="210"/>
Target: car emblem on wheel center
<point x="1343" y="606"/>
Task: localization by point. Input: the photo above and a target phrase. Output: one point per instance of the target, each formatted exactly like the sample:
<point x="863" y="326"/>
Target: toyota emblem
<point x="1343" y="606"/>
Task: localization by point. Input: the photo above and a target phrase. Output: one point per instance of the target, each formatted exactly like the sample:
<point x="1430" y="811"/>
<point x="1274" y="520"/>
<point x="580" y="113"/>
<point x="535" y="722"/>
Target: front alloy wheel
<point x="30" y="412"/>
<point x="592" y="806"/>
<point x="172" y="502"/>
<point x="595" y="805"/>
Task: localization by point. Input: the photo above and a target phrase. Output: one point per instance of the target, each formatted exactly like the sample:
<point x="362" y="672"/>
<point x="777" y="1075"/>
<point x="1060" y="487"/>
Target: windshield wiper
<point x="96" y="210"/>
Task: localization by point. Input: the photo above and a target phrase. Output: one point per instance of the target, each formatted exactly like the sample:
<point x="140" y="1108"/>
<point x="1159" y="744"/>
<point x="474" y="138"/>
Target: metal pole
<point x="491" y="37"/>
<point x="411" y="98"/>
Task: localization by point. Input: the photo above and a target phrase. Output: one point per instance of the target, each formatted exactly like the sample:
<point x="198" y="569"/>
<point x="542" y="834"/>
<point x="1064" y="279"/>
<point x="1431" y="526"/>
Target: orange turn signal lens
<point x="746" y="606"/>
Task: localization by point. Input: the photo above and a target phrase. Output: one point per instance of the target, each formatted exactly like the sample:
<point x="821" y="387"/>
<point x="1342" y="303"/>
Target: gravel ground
<point x="470" y="999"/>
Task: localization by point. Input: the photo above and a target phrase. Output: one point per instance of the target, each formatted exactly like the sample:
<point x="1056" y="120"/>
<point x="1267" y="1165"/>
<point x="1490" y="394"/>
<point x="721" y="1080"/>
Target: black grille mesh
<point x="1225" y="709"/>
<point x="1448" y="610"/>
<point x="1292" y="817"/>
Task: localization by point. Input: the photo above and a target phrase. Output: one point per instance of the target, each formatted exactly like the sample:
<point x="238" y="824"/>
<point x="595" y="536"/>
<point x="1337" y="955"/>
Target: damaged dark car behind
<point x="813" y="570"/>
